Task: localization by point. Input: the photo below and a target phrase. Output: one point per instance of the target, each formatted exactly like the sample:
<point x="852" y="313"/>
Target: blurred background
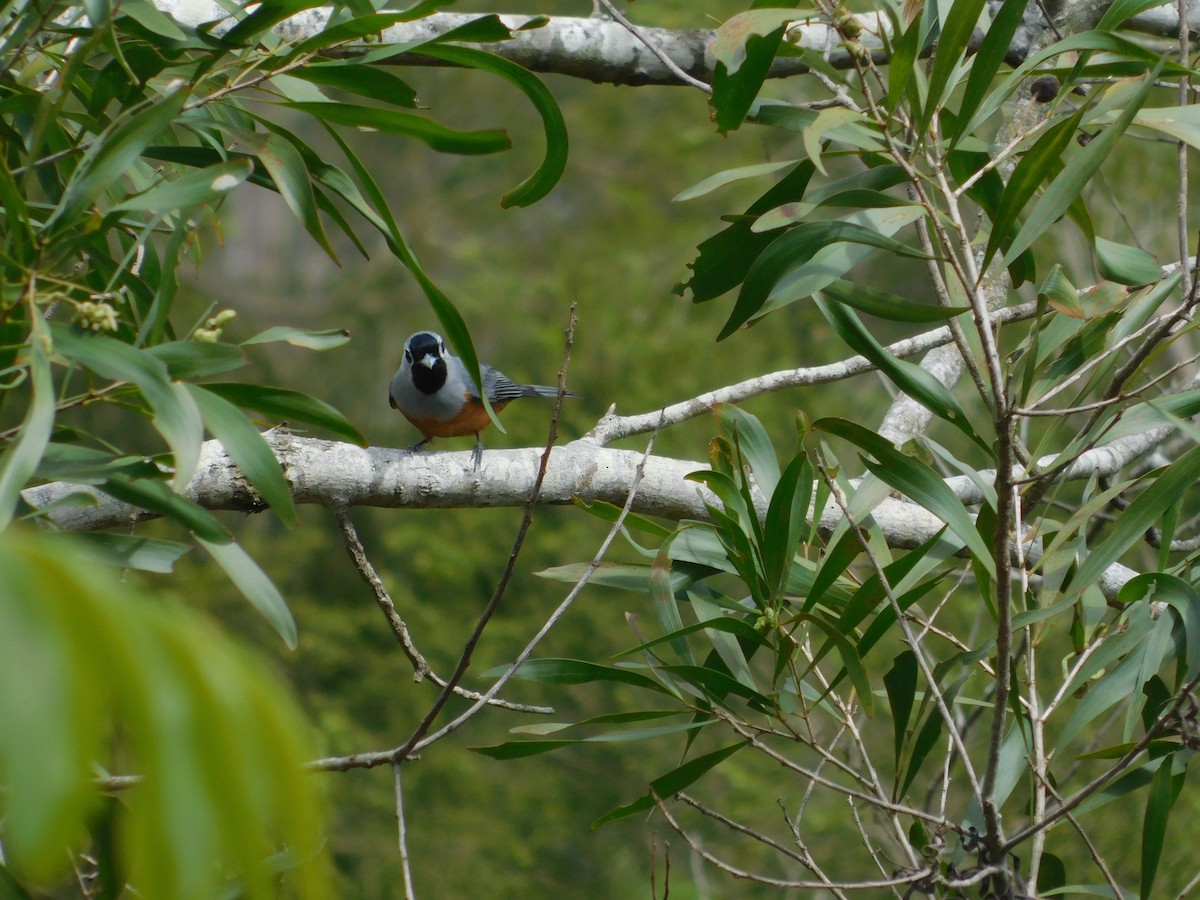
<point x="610" y="239"/>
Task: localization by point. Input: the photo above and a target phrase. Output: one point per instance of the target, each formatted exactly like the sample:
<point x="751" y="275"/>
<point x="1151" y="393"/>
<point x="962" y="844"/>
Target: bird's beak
<point x="429" y="360"/>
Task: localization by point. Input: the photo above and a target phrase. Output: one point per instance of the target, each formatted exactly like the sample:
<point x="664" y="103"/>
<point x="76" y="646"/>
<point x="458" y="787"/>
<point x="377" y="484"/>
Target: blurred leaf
<point x="1120" y="10"/>
<point x="1124" y="264"/>
<point x="1182" y="599"/>
<point x="247" y="448"/>
<point x="324" y="339"/>
<point x="791" y="251"/>
<point x="255" y="586"/>
<point x="753" y="443"/>
<point x="287" y="406"/>
<point x="80" y="653"/>
<point x="127" y="551"/>
<point x="197" y="359"/>
<point x="23" y="456"/>
<point x="1056" y="287"/>
<point x="265" y="16"/>
<point x="671" y="783"/>
<point x="191" y="189"/>
<point x="744" y="47"/>
<point x="554" y="163"/>
<point x="288" y="172"/>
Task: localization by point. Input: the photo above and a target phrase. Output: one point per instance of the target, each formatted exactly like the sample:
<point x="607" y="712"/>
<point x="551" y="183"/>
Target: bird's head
<point x="425" y="349"/>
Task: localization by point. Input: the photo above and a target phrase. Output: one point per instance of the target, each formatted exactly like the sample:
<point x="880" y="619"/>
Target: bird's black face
<point x="425" y="354"/>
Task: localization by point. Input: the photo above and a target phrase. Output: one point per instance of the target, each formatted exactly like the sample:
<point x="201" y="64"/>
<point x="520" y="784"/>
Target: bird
<point x="434" y="391"/>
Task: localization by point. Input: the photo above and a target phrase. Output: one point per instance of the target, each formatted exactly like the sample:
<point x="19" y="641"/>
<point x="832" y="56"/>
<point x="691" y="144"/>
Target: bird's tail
<point x="541" y="390"/>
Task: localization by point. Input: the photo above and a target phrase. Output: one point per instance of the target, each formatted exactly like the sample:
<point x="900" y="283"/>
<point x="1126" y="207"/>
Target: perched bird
<point x="434" y="392"/>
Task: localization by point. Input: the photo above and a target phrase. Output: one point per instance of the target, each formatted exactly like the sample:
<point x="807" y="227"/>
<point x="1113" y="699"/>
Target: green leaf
<point x="725" y="257"/>
<point x="22" y="458"/>
<point x="352" y="76"/>
<point x="127" y="551"/>
<point x="1078" y="172"/>
<point x="325" y="339"/>
<point x="191" y="189"/>
<point x="1120" y="10"/>
<point x="285" y="164"/>
<point x="1124" y="264"/>
<point x="1182" y="599"/>
<point x="575" y="671"/>
<point x="113" y="153"/>
<point x="901" y="685"/>
<point x="957" y="28"/>
<point x="287" y="406"/>
<point x="789" y="253"/>
<point x="671" y="783"/>
<point x="1163" y="489"/>
<point x="186" y="360"/>
<point x="390" y="121"/>
<point x="255" y="586"/>
<point x="265" y="17"/>
<point x="744" y="47"/>
<point x="247" y="448"/>
<point x="785" y="521"/>
<point x="554" y="162"/>
<point x="885" y="305"/>
<point x="156" y="497"/>
<point x="916" y="481"/>
<point x="909" y="377"/>
<point x="1154" y="825"/>
<point x="730" y="176"/>
<point x="986" y="62"/>
<point x="175" y="415"/>
<point x="1035" y="166"/>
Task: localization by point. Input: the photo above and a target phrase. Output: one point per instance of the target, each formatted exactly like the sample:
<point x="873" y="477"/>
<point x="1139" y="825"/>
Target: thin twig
<point x="402" y="835"/>
<point x="421" y="667"/>
<point x="654" y="48"/>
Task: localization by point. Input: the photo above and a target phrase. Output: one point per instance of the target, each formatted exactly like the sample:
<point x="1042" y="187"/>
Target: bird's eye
<point x="408" y="355"/>
<point x="441" y="349"/>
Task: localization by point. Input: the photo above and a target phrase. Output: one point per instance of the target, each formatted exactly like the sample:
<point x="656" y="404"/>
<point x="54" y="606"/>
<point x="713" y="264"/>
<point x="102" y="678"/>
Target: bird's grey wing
<point x="501" y="388"/>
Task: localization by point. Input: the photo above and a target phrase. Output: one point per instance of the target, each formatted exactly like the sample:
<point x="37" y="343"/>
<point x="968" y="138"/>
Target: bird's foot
<point x="477" y="453"/>
<point x="415" y="448"/>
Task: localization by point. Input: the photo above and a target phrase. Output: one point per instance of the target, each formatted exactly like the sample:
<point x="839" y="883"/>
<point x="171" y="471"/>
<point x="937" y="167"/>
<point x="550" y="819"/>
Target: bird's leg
<point x="477" y="453"/>
<point x="418" y="445"/>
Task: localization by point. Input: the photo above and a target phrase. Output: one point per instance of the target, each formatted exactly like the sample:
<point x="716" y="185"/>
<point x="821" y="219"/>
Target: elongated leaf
<point x="1125" y="264"/>
<point x="1142" y="513"/>
<point x="175" y="414"/>
<point x="744" y="47"/>
<point x="730" y="176"/>
<point x="265" y="17"/>
<point x="103" y="165"/>
<point x="288" y="406"/>
<point x="901" y="685"/>
<point x="914" y="381"/>
<point x="1078" y="172"/>
<point x="788" y="254"/>
<point x="246" y="447"/>
<point x="186" y="360"/>
<point x="325" y="339"/>
<point x="1183" y="600"/>
<point x="987" y="60"/>
<point x="352" y="76"/>
<point x="391" y="121"/>
<point x="191" y="189"/>
<point x="554" y="162"/>
<point x="576" y="671"/>
<point x="22" y="458"/>
<point x="1120" y="10"/>
<point x="957" y="27"/>
<point x="290" y="176"/>
<point x="671" y="783"/>
<point x="785" y="521"/>
<point x="255" y="586"/>
<point x="1154" y="825"/>
<point x="128" y="551"/>
<point x="1034" y="167"/>
<point x="157" y="497"/>
<point x="886" y="305"/>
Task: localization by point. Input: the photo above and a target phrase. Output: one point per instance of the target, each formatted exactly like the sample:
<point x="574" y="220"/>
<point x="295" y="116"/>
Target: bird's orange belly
<point x="472" y="419"/>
